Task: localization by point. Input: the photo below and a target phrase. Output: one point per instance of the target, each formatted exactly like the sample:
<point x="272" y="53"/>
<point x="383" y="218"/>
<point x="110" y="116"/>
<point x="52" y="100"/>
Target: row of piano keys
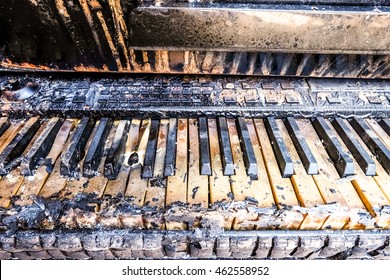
<point x="271" y="162"/>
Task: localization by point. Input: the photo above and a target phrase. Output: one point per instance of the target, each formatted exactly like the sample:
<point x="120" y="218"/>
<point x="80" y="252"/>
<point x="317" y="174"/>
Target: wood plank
<point x="220" y="189"/>
<point x="282" y="188"/>
<point x="304" y="186"/>
<point x="32" y="185"/>
<point x="326" y="179"/>
<point x="197" y="189"/>
<point x="177" y="184"/>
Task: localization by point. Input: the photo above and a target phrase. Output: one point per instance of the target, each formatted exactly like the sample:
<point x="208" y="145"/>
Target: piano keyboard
<point x="287" y="173"/>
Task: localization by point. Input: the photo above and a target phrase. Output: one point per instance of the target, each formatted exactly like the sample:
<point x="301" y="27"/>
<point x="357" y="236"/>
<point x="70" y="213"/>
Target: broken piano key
<point x="95" y="150"/>
<point x="41" y="147"/>
<point x="75" y="150"/>
<point x="115" y="154"/>
<point x="150" y="155"/>
<point x="17" y="145"/>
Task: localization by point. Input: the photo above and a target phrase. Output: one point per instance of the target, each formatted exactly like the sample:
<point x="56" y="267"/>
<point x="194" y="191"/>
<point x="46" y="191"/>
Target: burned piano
<point x="195" y="129"/>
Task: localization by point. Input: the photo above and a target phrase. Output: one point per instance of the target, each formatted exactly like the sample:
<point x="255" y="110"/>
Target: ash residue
<point x="91" y="211"/>
<point x="45" y="213"/>
<point x="158" y="182"/>
<point x="34" y="216"/>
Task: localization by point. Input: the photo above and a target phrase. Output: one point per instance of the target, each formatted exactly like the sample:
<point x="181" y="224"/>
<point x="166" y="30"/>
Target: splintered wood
<point x="136" y="187"/>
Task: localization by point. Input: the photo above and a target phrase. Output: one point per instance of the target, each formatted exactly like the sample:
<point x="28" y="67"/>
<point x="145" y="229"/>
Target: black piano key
<point x="224" y="142"/>
<point x="115" y="154"/>
<point x="95" y="150"/>
<point x="376" y="146"/>
<point x="4" y="124"/>
<point x="340" y="158"/>
<point x="170" y="157"/>
<point x="307" y="157"/>
<point x="150" y="154"/>
<point x="204" y="147"/>
<point x="40" y="148"/>
<point x="10" y="156"/>
<point x="281" y="153"/>
<point x="75" y="150"/>
<point x="359" y="153"/>
<point x="385" y="124"/>
<point x="247" y="148"/>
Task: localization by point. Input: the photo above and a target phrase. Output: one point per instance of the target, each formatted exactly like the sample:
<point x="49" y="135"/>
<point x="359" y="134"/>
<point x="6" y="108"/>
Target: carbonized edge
<point x="128" y="244"/>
